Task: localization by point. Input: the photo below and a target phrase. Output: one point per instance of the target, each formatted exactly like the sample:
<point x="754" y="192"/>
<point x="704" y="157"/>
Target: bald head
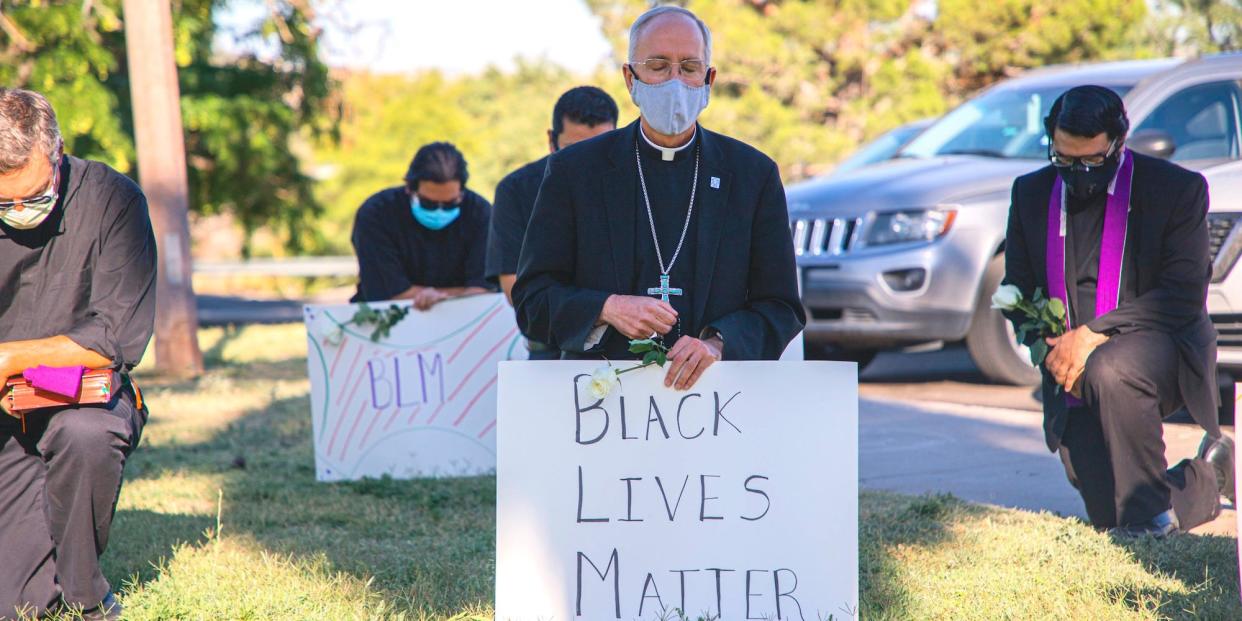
<point x="670" y="32"/>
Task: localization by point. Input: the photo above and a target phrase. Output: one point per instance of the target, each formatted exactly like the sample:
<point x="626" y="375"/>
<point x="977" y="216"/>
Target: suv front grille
<point x="825" y="237"/>
<point x="1229" y="328"/>
<point x="1224" y="243"/>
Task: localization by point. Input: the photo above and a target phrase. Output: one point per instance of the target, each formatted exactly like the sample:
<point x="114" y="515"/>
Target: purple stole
<point x="1112" y="246"/>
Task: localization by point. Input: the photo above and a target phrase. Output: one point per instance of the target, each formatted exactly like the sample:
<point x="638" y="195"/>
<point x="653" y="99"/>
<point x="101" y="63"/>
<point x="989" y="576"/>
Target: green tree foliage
<point x="808" y="80"/>
<point x="1198" y="26"/>
<point x="499" y="120"/>
<point x="244" y="116"/>
<point x="68" y="52"/>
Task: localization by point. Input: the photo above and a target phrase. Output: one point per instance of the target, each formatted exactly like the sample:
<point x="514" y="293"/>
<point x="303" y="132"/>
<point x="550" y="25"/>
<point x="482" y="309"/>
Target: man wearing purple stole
<point x="1122" y="240"/>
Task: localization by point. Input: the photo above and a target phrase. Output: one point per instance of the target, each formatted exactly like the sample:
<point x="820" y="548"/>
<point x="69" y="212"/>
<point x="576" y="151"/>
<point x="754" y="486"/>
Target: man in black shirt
<point x="581" y="113"/>
<point x="425" y="241"/>
<point x="77" y="289"/>
<point x="1121" y="239"/>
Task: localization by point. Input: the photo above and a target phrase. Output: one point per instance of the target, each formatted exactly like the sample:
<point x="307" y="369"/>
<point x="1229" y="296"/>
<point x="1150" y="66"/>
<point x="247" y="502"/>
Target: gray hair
<point x="645" y="19"/>
<point x="27" y="125"/>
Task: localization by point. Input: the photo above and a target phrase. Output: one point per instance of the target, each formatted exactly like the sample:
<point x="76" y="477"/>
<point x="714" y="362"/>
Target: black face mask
<point x="1089" y="183"/>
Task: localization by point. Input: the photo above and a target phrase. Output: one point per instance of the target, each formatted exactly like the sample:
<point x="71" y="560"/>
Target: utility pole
<point x="162" y="174"/>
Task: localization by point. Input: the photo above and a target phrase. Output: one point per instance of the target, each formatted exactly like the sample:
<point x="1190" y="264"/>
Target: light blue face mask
<point x="672" y="106"/>
<point x="434" y="219"/>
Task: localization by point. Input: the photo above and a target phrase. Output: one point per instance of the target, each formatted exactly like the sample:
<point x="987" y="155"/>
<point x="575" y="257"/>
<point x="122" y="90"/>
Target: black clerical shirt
<point x="395" y="252"/>
<point x="668" y="187"/>
<point x="1084" y="233"/>
<point x="515" y="200"/>
<point x="87" y="272"/>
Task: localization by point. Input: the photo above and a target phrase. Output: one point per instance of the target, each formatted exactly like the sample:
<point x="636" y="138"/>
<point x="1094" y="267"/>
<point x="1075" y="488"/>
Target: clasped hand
<point x="1067" y="358"/>
<point x="639" y="317"/>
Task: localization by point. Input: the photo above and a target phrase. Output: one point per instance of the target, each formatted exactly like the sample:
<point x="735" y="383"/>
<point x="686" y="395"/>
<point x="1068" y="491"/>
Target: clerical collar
<point x="668" y="154"/>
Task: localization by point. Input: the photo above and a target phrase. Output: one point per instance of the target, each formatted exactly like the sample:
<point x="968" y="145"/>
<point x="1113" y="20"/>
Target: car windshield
<point x="880" y="149"/>
<point x="1005" y="123"/>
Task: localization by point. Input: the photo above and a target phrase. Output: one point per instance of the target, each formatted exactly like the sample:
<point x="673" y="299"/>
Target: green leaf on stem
<point x="1058" y="308"/>
<point x="639" y="346"/>
<point x="1039" y="351"/>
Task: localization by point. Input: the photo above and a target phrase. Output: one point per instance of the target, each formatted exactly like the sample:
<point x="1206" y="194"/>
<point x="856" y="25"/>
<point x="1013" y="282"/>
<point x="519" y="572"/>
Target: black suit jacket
<point x="579" y="248"/>
<point x="1167" y="243"/>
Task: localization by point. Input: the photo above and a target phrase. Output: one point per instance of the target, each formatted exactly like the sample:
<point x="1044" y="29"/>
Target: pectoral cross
<point x="663" y="290"/>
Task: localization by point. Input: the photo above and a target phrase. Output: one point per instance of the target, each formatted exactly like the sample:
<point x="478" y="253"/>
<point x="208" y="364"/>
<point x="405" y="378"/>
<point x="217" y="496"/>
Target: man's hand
<point x="428" y="297"/>
<point x="638" y="317"/>
<point x="1067" y="359"/>
<point x="689" y="358"/>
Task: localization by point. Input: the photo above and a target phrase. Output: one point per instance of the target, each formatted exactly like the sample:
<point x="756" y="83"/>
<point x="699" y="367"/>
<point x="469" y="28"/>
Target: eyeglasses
<point x="46" y="198"/>
<point x="690" y="69"/>
<point x="1086" y="162"/>
<point x="430" y="204"/>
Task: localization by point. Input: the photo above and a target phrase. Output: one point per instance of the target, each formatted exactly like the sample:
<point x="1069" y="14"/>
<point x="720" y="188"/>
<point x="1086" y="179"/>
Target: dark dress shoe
<point x="1219" y="453"/>
<point x="1159" y="527"/>
<point x="108" y="610"/>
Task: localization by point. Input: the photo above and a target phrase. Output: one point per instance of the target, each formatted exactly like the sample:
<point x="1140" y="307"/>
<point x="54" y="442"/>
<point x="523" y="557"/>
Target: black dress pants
<point x="1113" y="446"/>
<point x="59" y="483"/>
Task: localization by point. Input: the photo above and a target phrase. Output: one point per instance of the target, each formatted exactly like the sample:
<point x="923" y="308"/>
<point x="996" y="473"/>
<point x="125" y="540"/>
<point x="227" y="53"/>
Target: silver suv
<point x="907" y="253"/>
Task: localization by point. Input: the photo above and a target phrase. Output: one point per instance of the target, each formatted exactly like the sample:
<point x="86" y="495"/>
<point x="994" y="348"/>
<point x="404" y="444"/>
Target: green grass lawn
<point x="233" y="449"/>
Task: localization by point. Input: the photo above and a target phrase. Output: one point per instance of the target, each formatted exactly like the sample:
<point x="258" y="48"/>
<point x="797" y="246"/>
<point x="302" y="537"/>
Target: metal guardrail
<point x="292" y="266"/>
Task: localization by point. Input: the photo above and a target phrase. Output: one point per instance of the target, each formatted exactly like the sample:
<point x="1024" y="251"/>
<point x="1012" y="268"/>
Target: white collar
<point x="667" y="153"/>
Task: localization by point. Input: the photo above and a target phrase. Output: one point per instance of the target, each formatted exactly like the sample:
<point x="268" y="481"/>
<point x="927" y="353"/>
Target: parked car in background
<point x="907" y="252"/>
<point x="882" y="148"/>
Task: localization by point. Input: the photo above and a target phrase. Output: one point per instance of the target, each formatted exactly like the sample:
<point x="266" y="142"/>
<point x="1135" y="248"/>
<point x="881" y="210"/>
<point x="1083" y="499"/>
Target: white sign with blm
<point x="737" y="499"/>
<point x="420" y="401"/>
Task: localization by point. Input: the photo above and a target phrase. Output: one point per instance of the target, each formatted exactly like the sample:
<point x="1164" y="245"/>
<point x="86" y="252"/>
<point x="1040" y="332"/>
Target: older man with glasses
<point x="77" y="291"/>
<point x="1121" y="239"/>
<point x="663" y="228"/>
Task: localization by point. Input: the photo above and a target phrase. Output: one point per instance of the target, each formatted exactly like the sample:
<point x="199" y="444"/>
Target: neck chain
<point x="664" y="271"/>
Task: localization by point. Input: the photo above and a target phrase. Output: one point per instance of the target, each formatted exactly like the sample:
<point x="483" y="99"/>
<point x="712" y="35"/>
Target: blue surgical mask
<point x="434" y="219"/>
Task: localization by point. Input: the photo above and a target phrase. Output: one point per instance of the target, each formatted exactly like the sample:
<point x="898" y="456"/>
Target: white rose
<point x="1006" y="297"/>
<point x="602" y="382"/>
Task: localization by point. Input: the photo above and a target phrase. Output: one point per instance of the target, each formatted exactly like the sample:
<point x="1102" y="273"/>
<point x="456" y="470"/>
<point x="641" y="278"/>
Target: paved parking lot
<point x="929" y="422"/>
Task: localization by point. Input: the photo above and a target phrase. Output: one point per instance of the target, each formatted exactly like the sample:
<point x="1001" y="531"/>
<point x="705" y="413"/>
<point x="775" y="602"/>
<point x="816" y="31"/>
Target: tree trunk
<point x="162" y="174"/>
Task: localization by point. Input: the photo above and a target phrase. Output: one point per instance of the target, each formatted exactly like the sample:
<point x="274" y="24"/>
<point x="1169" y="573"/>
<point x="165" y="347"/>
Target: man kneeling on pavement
<point x="77" y="292"/>
<point x="1122" y="240"/>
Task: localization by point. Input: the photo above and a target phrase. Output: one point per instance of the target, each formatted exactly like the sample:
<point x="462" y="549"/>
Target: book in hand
<point x="23" y="397"/>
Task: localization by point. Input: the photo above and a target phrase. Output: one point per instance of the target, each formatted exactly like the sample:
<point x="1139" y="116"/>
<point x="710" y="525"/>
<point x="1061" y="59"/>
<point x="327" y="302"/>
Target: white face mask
<point x="32" y="215"/>
<point x="669" y="107"/>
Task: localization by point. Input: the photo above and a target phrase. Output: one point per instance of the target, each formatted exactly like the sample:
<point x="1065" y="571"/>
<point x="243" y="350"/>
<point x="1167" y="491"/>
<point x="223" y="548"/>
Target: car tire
<point x="990" y="340"/>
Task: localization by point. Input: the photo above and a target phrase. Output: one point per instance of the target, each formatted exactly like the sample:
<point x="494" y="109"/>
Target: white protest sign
<point x="419" y="402"/>
<point x="737" y="499"/>
<point x="1237" y="476"/>
<point x="795" y="352"/>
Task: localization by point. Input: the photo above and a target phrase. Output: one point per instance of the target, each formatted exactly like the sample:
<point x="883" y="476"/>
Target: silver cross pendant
<point x="663" y="290"/>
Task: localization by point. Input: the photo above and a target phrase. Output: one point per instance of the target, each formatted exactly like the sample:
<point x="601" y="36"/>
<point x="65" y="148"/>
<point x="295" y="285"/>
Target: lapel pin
<point x="715" y="183"/>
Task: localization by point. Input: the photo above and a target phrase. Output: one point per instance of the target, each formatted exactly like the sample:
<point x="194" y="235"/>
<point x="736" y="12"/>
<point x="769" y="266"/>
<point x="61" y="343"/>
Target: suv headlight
<point x="912" y="225"/>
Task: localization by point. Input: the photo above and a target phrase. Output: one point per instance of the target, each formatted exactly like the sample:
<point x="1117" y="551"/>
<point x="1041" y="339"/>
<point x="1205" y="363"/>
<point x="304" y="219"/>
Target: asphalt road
<point x="930" y="422"/>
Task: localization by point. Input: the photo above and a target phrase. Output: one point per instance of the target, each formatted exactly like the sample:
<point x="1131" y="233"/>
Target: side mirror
<point x="1152" y="142"/>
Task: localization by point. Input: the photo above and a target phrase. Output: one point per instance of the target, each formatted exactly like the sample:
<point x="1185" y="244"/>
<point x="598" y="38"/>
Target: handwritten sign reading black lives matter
<point x="737" y="499"/>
